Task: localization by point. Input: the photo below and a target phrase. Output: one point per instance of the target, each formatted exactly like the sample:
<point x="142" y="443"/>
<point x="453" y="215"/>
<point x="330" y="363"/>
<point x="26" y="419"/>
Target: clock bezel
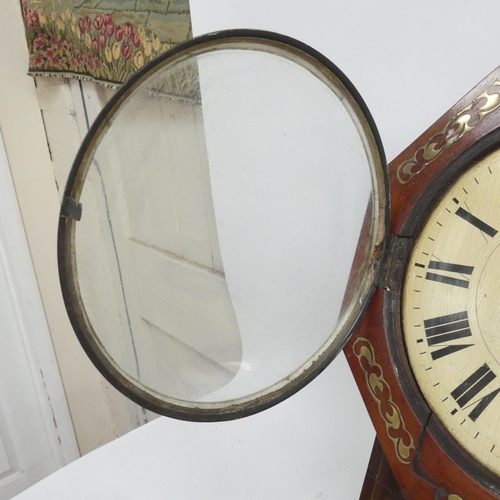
<point x="71" y="212"/>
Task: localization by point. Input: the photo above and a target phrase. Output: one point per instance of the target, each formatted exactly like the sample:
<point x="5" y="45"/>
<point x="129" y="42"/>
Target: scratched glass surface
<point x="221" y="215"/>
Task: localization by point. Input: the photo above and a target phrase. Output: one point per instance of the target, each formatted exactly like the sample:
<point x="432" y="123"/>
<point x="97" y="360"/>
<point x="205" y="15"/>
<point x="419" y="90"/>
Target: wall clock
<point x="226" y="229"/>
<point x="418" y="363"/>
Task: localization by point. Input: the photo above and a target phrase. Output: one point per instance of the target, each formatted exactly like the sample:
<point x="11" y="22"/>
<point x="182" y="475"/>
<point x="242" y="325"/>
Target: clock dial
<point x="451" y="311"/>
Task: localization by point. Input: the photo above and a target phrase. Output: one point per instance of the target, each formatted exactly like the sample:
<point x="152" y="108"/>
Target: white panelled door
<point x="153" y="281"/>
<point x="36" y="435"/>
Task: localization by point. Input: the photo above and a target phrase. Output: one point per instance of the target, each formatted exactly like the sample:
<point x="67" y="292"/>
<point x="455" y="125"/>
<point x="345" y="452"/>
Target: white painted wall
<point x="36" y="433"/>
<point x="411" y="61"/>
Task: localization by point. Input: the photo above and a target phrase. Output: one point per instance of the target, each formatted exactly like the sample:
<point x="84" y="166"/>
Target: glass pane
<point x="222" y="209"/>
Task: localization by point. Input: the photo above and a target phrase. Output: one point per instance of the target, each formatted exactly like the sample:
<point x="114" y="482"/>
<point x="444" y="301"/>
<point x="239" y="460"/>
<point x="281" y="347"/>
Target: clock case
<point x="427" y="462"/>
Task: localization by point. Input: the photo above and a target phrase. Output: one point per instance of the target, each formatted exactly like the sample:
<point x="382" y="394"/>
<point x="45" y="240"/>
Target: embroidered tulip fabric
<point x="101" y="40"/>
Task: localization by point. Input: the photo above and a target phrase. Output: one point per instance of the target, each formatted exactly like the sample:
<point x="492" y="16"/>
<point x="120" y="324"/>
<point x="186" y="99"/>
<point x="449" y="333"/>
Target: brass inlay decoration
<point x="465" y="121"/>
<point x="443" y="494"/>
<point x="381" y="393"/>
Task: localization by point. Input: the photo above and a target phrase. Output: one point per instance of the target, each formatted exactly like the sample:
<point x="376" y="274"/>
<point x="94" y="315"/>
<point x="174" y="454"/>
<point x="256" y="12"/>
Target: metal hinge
<point x="70" y="208"/>
<point x="391" y="274"/>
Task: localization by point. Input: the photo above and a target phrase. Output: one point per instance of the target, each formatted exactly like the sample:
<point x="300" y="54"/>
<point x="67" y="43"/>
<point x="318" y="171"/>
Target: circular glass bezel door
<point x="366" y="263"/>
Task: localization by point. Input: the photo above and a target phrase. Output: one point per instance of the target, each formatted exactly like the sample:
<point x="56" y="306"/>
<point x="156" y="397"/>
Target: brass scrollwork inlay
<point x="465" y="121"/>
<point x="443" y="494"/>
<point x="381" y="393"/>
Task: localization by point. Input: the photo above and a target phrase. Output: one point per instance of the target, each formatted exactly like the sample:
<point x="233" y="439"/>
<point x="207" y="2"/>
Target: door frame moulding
<point x="30" y="316"/>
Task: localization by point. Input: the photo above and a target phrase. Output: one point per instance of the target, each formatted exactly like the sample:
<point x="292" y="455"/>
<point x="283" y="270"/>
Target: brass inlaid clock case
<point x="427" y="461"/>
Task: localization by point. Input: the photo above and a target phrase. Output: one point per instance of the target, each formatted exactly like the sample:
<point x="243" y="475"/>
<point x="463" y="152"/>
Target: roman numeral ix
<point x="445" y="329"/>
<point x="471" y="387"/>
<point x="457" y="269"/>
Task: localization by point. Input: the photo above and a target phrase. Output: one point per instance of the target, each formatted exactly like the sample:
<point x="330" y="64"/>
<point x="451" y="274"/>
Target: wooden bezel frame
<point x="426" y="460"/>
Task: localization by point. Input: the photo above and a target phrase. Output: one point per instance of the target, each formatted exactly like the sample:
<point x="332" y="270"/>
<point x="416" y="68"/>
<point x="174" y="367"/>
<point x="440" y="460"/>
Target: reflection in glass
<point x="221" y="214"/>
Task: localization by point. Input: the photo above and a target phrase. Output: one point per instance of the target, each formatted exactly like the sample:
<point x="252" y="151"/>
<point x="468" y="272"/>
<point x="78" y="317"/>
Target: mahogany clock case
<point x="426" y="459"/>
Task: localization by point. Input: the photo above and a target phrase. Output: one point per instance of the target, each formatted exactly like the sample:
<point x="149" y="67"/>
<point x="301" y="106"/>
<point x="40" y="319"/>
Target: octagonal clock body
<point x="426" y="353"/>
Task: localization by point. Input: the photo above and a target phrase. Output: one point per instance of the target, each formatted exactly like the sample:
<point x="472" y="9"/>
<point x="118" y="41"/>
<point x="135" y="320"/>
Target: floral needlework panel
<point x="101" y="40"/>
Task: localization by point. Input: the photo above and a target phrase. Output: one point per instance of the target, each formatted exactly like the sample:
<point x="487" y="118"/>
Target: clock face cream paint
<point x="451" y="311"/>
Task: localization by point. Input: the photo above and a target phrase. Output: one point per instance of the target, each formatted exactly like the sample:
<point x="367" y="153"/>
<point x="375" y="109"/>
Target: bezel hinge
<point x="70" y="208"/>
<point x="394" y="264"/>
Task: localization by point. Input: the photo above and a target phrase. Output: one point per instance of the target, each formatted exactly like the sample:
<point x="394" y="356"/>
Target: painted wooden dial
<point x="451" y="311"/>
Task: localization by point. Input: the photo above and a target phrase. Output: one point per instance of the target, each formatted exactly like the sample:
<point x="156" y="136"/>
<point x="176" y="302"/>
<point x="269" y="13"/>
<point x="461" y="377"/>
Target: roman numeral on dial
<point x="445" y="329"/>
<point x="471" y="387"/>
<point x="482" y="226"/>
<point x="456" y="269"/>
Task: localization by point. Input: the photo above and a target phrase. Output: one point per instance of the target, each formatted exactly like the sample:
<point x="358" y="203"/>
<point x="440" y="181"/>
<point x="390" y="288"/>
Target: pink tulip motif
<point x="95" y="44"/>
<point x="110" y="28"/>
<point x="88" y="23"/>
<point x="119" y="33"/>
<point x="126" y="50"/>
<point x="98" y="22"/>
<point x="129" y="29"/>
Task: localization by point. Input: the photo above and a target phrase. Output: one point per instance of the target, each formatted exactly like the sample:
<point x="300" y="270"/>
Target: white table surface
<point x="283" y="453"/>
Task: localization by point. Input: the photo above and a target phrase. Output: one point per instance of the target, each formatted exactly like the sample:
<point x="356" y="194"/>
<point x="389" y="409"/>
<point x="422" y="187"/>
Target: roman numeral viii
<point x="451" y="269"/>
<point x="445" y="329"/>
<point x="471" y="387"/>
